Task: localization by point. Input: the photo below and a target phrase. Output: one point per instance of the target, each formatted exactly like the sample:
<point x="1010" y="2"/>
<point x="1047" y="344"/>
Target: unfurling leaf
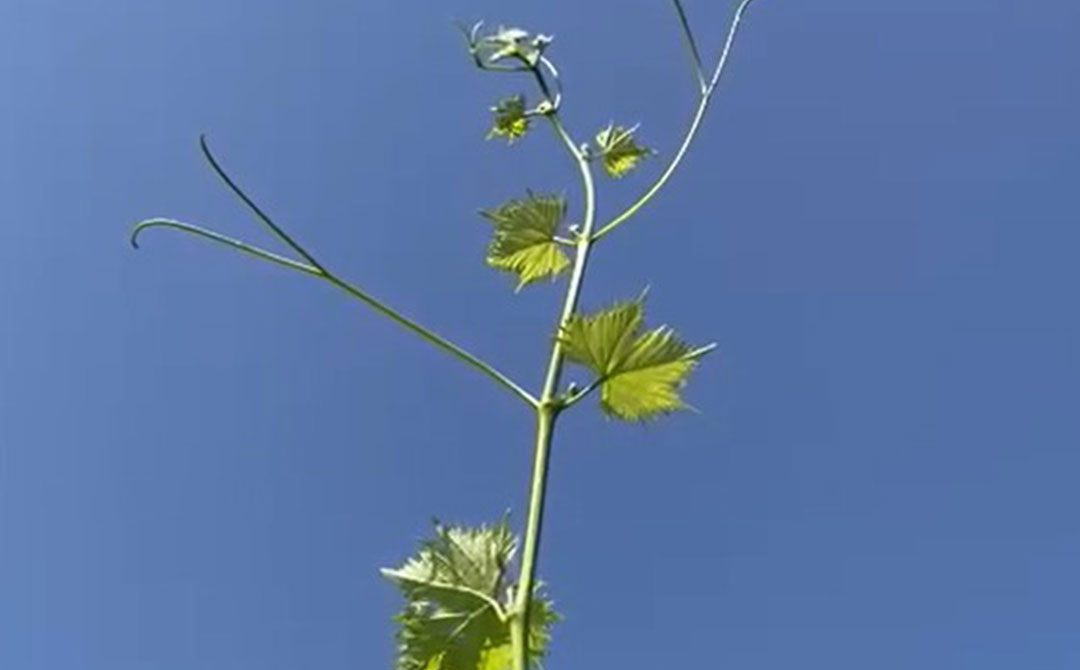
<point x="511" y="120"/>
<point x="456" y="588"/>
<point x="524" y="237"/>
<point x="618" y="149"/>
<point x="511" y="43"/>
<point x="639" y="371"/>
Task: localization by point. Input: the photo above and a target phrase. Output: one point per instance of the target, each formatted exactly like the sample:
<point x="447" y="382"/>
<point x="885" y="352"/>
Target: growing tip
<point x="204" y="147"/>
<point x="134" y="239"/>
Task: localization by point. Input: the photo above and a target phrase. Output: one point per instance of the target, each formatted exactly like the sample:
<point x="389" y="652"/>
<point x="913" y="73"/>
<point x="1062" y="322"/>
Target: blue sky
<point x="204" y="459"/>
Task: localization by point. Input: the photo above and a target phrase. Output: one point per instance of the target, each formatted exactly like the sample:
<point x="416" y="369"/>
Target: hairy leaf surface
<point x="524" y="237"/>
<point x="640" y="372"/>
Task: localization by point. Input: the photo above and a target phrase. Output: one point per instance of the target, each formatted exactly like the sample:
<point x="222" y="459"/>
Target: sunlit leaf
<point x="510" y="121"/>
<point x="524" y="237"/>
<point x="640" y="372"/>
<point x="618" y="150"/>
<point x="512" y="43"/>
<point x="455" y="589"/>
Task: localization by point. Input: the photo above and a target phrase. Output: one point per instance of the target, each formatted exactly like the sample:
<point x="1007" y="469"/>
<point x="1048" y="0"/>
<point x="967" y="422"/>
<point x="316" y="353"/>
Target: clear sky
<point x="204" y="459"/>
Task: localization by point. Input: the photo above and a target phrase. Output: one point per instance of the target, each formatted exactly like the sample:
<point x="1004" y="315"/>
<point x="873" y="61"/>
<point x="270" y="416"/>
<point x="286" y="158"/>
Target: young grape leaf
<point x="618" y="149"/>
<point x="639" y="373"/>
<point x="455" y="616"/>
<point x="510" y="121"/>
<point x="510" y="43"/>
<point x="524" y="237"/>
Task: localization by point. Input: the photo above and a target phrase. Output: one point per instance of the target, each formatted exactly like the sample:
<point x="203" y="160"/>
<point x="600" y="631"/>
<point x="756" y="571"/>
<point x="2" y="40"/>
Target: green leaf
<point x="524" y="237"/>
<point x="639" y="372"/>
<point x="511" y="120"/>
<point x="456" y="591"/>
<point x="512" y="43"/>
<point x="618" y="149"/>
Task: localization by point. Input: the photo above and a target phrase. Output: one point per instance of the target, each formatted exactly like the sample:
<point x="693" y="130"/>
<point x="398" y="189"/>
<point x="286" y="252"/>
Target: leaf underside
<point x="619" y="151"/>
<point x="640" y="372"/>
<point x="524" y="237"/>
<point x="455" y="589"/>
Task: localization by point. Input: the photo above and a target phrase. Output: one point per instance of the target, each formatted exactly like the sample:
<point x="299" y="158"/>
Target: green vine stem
<point x="550" y="405"/>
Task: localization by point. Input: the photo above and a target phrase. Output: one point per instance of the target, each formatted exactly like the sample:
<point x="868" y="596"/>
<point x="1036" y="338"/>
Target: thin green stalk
<point x="317" y="270"/>
<point x="695" y="124"/>
<point x="691" y="44"/>
<point x="222" y="239"/>
<point x="519" y="623"/>
<point x="433" y="338"/>
<point x="547" y="412"/>
<point x="262" y="216"/>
